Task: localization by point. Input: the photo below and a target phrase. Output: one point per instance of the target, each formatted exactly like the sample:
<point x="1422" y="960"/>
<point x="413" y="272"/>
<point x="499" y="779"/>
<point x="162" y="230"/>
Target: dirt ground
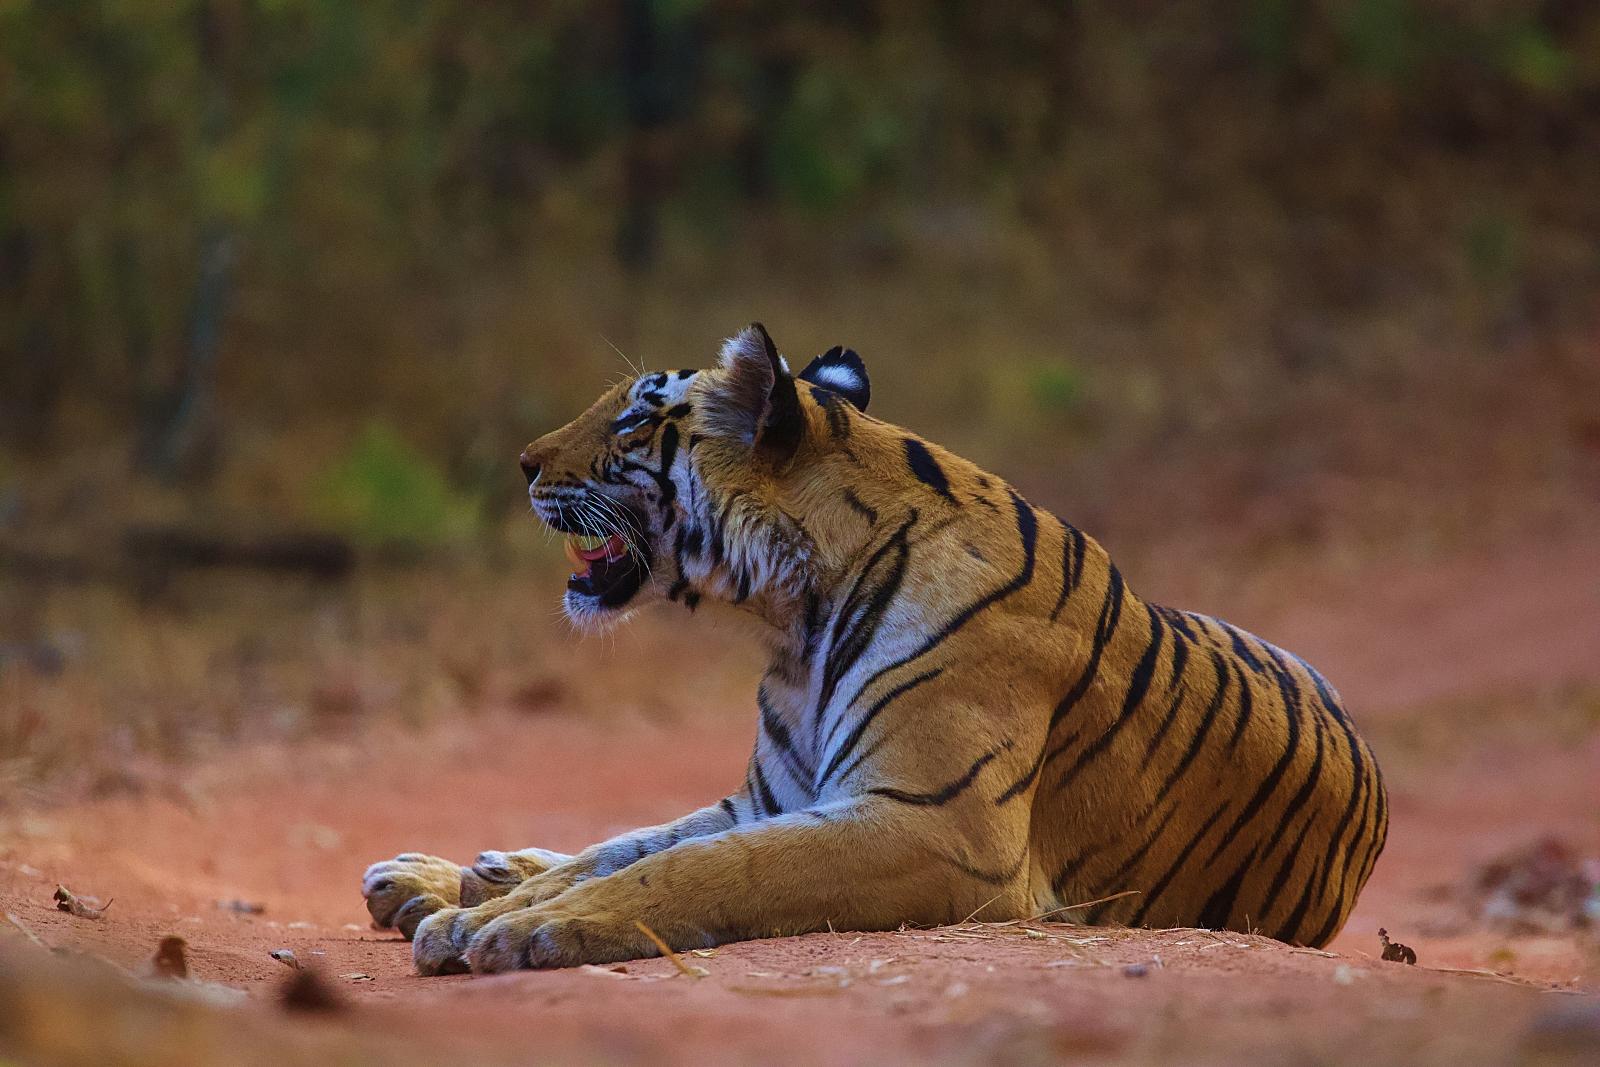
<point x="291" y="828"/>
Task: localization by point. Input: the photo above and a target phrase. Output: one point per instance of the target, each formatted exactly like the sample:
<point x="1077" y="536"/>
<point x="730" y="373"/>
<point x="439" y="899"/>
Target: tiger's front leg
<point x="863" y="864"/>
<point x="443" y="933"/>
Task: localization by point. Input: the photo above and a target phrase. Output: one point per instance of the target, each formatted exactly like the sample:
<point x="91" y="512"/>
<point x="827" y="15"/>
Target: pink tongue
<point x="611" y="550"/>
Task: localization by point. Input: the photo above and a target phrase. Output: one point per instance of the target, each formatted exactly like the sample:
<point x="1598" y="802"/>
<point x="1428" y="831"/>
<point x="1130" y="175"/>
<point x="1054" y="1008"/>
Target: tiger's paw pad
<point x="407" y="889"/>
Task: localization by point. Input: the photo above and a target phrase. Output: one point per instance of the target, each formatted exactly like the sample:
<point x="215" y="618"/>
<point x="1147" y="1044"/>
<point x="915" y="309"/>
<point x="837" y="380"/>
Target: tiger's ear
<point x="755" y="402"/>
<point x="841" y="371"/>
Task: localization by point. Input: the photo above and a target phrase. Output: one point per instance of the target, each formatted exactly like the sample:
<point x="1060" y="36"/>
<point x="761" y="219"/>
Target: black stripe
<point x="1379" y="830"/>
<point x="1290" y="860"/>
<point x="1313" y="779"/>
<point x="1021" y="785"/>
<point x="861" y="613"/>
<point x="812" y="625"/>
<point x="834" y="407"/>
<point x="1135" y="857"/>
<point x="1290" y="750"/>
<point x="940" y="797"/>
<point x="1291" y="926"/>
<point x="1180" y="653"/>
<point x="1028" y="530"/>
<point x="1149" y="899"/>
<point x="987" y="877"/>
<point x="1216" y="911"/>
<point x="1339" y="897"/>
<point x="1246" y="707"/>
<point x="870" y="514"/>
<point x="727" y="806"/>
<point x="773" y="724"/>
<point x="927" y="469"/>
<point x="1076" y="863"/>
<point x="1171" y="717"/>
<point x="1138" y="686"/>
<point x="768" y="801"/>
<point x="864" y="756"/>
<point x="1358" y="790"/>
<point x="1207" y="718"/>
<point x="1105" y="629"/>
<point x="1073" y="547"/>
<point x="1180" y="621"/>
<point x="1241" y="647"/>
<point x="878" y="705"/>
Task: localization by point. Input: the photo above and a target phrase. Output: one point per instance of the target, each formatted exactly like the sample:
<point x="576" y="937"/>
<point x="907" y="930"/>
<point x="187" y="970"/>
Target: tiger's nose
<point x="530" y="467"/>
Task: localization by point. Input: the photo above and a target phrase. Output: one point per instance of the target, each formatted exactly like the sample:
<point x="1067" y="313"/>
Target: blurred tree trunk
<point x="181" y="439"/>
<point x="659" y="59"/>
<point x="31" y="374"/>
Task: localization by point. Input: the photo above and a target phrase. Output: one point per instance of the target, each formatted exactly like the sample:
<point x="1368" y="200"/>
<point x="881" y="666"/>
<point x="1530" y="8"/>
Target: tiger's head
<point x="688" y="484"/>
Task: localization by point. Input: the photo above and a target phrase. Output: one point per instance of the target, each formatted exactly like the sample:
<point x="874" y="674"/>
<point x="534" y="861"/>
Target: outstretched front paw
<point x="553" y="937"/>
<point x="407" y="889"/>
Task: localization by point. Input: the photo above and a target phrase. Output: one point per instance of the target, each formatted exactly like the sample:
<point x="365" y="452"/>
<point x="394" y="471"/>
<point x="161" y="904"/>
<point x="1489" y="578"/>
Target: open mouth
<point x="604" y="568"/>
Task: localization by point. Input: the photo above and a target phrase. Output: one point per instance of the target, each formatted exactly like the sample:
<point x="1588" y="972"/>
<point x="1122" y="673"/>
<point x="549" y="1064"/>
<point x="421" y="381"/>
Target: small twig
<point x="67" y="901"/>
<point x="1496" y="975"/>
<point x="1086" y="904"/>
<point x="683" y="968"/>
<point x="14" y="921"/>
<point x="980" y="907"/>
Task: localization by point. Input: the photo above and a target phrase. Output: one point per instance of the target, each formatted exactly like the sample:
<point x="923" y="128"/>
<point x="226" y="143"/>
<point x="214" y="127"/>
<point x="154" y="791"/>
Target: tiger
<point x="965" y="714"/>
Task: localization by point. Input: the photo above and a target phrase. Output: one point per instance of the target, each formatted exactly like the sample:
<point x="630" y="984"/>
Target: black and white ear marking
<point x="841" y="371"/>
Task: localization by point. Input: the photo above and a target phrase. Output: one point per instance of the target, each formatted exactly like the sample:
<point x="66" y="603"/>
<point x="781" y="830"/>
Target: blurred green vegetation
<point x="386" y="496"/>
<point x="307" y="168"/>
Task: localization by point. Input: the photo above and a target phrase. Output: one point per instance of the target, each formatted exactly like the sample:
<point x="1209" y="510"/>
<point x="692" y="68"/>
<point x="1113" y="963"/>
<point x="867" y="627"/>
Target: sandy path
<point x="292" y="828"/>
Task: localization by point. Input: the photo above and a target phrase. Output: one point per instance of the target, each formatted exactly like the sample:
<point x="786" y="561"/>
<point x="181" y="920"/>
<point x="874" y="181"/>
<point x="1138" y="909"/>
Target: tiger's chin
<point x="605" y="592"/>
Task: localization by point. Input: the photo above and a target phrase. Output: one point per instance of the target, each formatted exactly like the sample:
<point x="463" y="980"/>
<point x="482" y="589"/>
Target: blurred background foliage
<point x="1315" y="277"/>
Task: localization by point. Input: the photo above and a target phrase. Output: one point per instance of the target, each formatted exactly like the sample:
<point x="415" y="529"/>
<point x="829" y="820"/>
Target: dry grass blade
<point x="677" y="961"/>
<point x="1494" y="975"/>
<point x="829" y="990"/>
<point x="69" y="902"/>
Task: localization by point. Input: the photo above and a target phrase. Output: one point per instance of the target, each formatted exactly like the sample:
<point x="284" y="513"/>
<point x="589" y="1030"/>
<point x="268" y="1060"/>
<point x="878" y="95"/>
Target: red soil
<point x="292" y="828"/>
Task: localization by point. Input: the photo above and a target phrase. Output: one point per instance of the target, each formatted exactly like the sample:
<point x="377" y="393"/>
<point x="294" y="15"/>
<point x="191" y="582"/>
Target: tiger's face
<point x="677" y="485"/>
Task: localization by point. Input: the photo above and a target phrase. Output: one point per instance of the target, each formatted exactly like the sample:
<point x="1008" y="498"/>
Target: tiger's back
<point x="1240" y="795"/>
<point x="1213" y="775"/>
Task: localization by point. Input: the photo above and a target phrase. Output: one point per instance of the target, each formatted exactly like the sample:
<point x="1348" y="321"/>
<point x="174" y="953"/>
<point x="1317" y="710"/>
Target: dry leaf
<point x="1394" y="951"/>
<point x="285" y="957"/>
<point x="357" y="976"/>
